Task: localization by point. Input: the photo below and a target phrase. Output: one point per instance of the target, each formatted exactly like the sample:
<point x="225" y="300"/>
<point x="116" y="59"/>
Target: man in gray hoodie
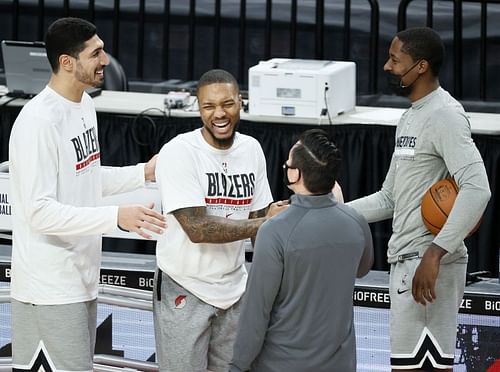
<point x="297" y="313"/>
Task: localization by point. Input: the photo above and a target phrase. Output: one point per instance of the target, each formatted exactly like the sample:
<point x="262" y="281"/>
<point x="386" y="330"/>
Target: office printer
<point x="301" y="88"/>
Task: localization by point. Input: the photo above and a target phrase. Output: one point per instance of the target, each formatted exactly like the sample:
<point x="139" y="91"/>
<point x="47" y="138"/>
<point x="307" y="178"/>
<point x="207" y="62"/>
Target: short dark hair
<point x="217" y="76"/>
<point x="67" y="36"/>
<point x="318" y="159"/>
<point x="423" y="43"/>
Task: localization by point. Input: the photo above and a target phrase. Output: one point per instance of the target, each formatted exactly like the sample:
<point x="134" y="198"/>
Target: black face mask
<point x="395" y="82"/>
<point x="286" y="181"/>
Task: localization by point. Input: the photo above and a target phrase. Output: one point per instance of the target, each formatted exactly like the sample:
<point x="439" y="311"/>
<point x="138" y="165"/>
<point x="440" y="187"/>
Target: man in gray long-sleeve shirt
<point x="297" y="314"/>
<point x="433" y="141"/>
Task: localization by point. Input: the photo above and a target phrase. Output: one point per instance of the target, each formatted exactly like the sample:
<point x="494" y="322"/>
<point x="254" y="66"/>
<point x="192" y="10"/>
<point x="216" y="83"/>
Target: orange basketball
<point x="437" y="203"/>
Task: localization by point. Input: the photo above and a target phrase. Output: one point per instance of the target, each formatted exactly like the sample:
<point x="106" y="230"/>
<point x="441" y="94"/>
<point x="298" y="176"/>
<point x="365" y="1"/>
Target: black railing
<point x="113" y="16"/>
<point x="458" y="39"/>
<point x="166" y="43"/>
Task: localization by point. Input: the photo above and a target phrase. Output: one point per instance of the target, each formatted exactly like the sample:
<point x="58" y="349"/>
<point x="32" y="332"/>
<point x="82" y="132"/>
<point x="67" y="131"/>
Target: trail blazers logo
<point x="86" y="147"/>
<point x="180" y="302"/>
<point x="230" y="189"/>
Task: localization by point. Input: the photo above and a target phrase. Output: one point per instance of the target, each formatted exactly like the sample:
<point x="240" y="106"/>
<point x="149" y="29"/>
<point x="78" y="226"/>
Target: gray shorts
<point x="191" y="335"/>
<point x="424" y="336"/>
<point x="55" y="337"/>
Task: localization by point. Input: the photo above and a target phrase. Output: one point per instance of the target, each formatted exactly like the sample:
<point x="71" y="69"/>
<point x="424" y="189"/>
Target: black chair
<point x="114" y="76"/>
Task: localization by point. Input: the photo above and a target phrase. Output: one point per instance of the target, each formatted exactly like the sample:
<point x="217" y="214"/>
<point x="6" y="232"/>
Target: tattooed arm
<point x="254" y="215"/>
<point x="202" y="228"/>
<point x="258" y="214"/>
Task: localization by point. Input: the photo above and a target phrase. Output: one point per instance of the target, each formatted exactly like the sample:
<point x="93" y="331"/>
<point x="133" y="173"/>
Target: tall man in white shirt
<point x="57" y="184"/>
<point x="215" y="194"/>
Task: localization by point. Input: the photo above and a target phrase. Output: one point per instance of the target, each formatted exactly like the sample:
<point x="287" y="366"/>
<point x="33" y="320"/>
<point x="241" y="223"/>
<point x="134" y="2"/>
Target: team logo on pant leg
<point x="180" y="302"/>
<point x="40" y="362"/>
<point x="426" y="352"/>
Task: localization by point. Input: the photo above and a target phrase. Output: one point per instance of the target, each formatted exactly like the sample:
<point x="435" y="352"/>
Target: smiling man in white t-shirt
<point x="215" y="194"/>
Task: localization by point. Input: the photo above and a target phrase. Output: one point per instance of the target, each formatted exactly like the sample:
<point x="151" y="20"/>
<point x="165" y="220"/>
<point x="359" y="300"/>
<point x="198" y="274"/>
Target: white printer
<point x="301" y="88"/>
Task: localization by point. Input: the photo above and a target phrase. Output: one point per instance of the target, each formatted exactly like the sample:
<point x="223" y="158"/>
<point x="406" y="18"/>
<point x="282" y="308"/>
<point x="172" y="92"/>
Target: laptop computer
<point x="27" y="69"/>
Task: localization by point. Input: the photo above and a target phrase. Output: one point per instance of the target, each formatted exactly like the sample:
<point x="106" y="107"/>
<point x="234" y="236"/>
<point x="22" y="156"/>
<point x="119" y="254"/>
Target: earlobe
<point x="296" y="174"/>
<point x="423" y="66"/>
<point x="65" y="62"/>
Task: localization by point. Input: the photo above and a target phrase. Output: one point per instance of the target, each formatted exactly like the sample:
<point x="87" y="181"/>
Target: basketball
<point x="437" y="203"/>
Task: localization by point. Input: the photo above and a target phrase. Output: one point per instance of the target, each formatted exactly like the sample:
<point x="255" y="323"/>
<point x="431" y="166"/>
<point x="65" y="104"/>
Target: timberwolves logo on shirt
<point x="86" y="146"/>
<point x="405" y="147"/>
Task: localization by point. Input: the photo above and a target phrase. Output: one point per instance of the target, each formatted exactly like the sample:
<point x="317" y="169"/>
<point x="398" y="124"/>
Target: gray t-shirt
<point x="297" y="313"/>
<point x="433" y="141"/>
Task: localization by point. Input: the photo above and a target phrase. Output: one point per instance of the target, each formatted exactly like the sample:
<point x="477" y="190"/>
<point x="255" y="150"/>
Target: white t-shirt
<point x="56" y="187"/>
<point x="229" y="183"/>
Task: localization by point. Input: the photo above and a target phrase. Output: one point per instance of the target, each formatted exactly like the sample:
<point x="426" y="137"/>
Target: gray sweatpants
<point x="191" y="335"/>
<point x="55" y="337"/>
<point x="424" y="336"/>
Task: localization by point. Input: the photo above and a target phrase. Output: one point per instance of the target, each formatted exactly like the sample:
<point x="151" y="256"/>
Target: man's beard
<point x="222" y="142"/>
<point x="87" y="79"/>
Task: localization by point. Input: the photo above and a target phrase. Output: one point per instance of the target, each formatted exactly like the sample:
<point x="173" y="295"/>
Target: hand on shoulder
<point x="149" y="169"/>
<point x="276" y="208"/>
<point x="337" y="192"/>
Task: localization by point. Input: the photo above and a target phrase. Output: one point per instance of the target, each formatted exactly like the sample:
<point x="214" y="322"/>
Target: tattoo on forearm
<point x="258" y="214"/>
<point x="202" y="228"/>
